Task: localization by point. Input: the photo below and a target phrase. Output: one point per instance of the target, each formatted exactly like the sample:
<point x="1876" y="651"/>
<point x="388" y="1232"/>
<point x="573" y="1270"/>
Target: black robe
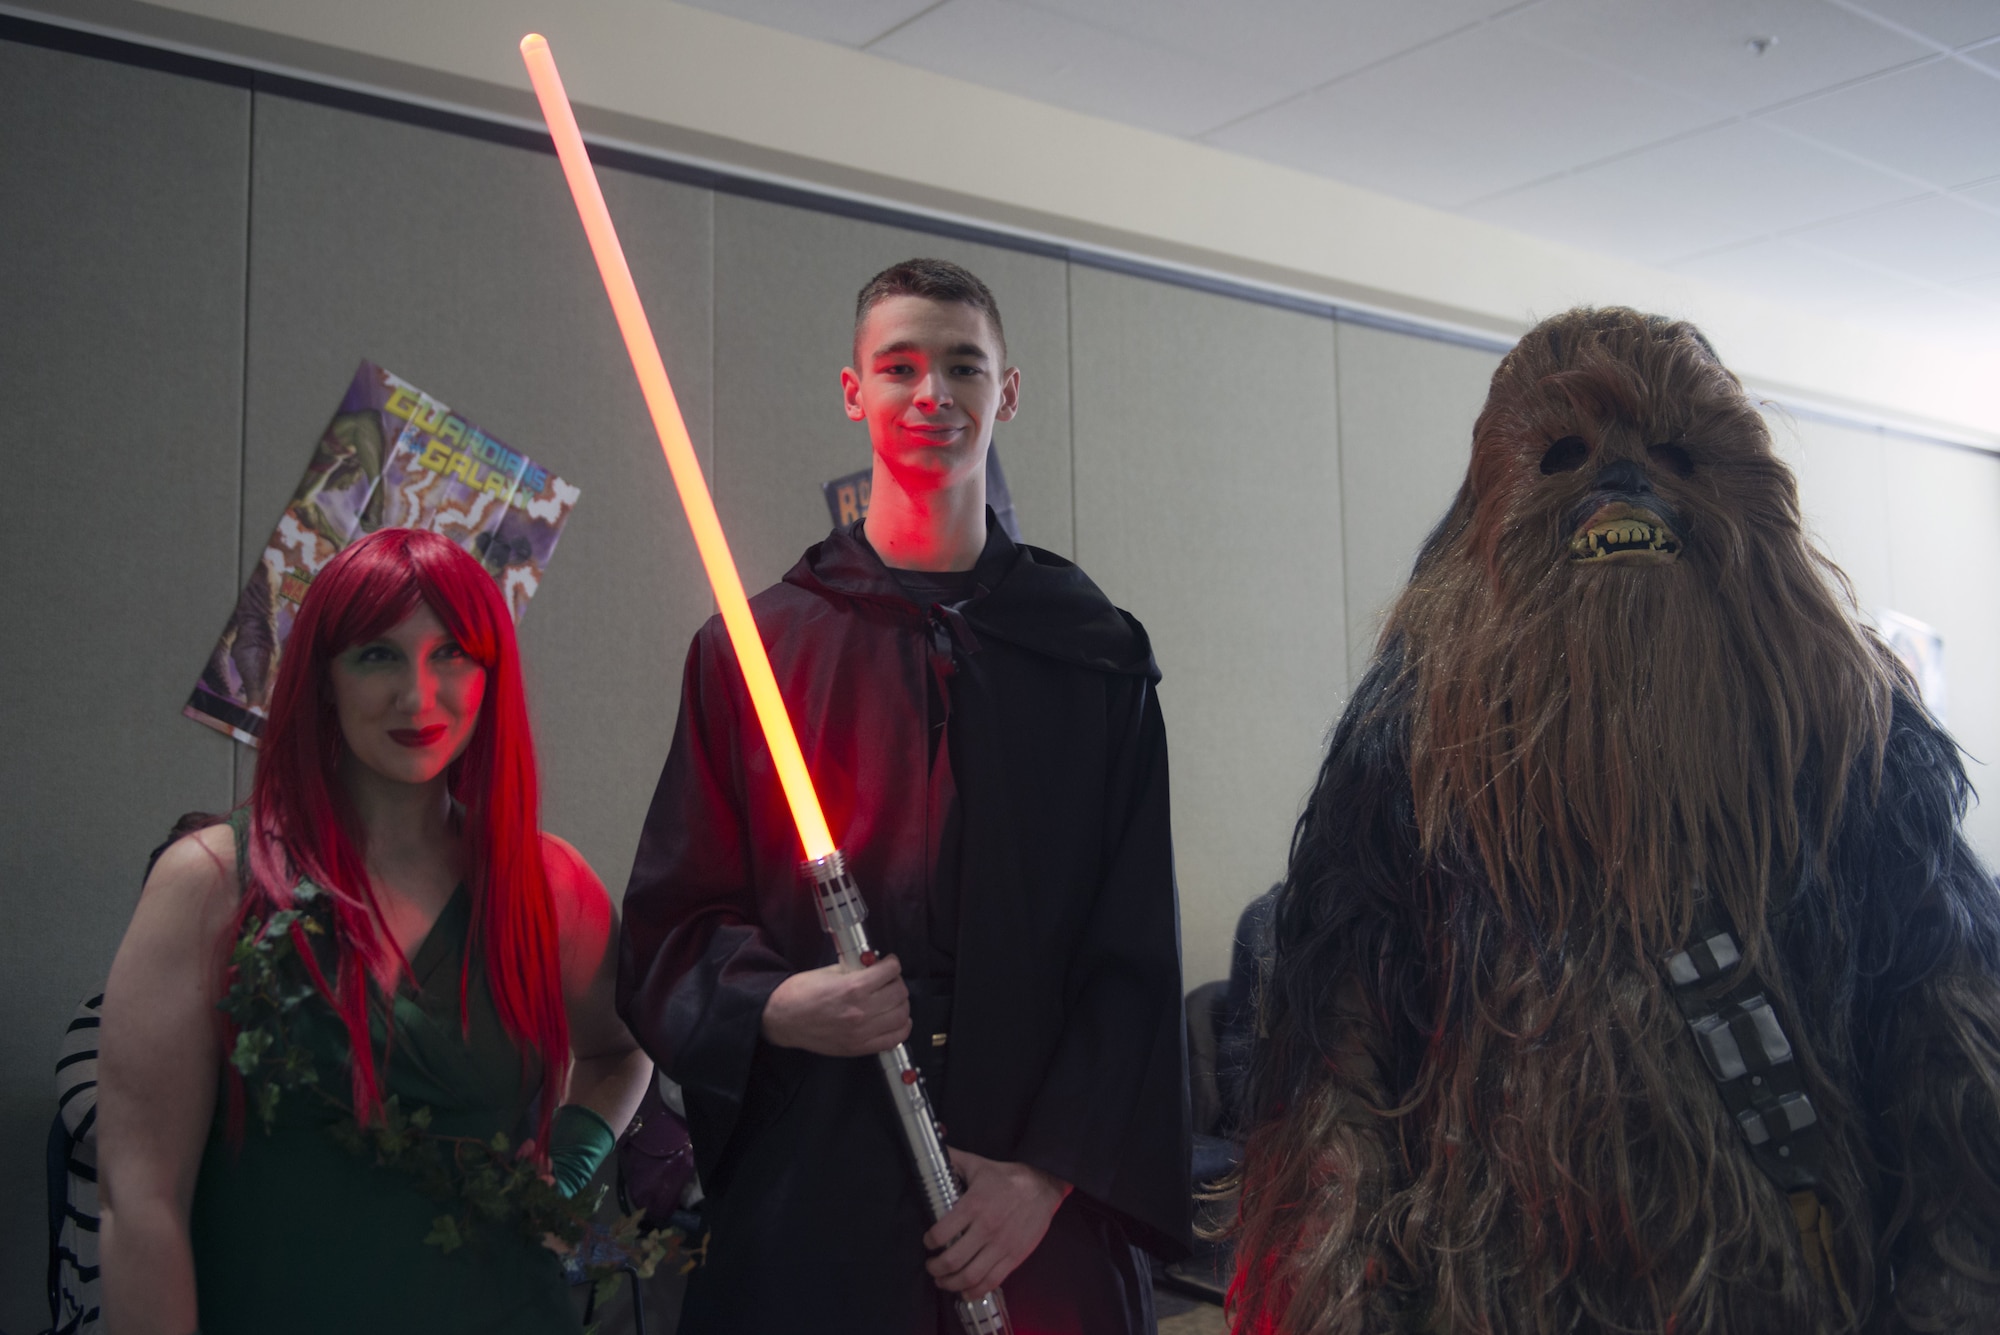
<point x="1025" y="881"/>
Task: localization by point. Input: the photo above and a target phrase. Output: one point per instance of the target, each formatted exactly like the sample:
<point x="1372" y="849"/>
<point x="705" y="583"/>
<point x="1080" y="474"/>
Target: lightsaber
<point x="842" y="910"/>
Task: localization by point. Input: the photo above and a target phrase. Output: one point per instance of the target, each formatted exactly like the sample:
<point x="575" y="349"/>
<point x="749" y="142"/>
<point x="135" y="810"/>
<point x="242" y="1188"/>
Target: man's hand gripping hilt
<point x="843" y="913"/>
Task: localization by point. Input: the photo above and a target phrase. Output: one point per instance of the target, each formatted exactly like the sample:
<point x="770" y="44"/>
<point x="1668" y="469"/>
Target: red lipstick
<point x="417" y="737"/>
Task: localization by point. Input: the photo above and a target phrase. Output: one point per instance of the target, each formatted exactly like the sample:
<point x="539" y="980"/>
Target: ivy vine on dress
<point x="476" y="1179"/>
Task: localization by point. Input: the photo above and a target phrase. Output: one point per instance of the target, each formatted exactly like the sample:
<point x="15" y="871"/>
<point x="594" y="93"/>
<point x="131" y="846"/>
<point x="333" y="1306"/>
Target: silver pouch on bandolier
<point x="1744" y="1045"/>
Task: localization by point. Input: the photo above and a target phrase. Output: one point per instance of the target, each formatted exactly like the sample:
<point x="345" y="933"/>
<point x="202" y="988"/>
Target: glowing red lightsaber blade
<point x="679" y="449"/>
<point x="840" y="904"/>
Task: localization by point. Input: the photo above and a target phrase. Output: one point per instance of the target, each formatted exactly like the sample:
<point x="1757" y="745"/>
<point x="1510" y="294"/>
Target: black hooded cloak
<point x="996" y="774"/>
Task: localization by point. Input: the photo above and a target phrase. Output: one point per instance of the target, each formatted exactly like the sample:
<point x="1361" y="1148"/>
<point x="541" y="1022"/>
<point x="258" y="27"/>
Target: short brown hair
<point x="933" y="280"/>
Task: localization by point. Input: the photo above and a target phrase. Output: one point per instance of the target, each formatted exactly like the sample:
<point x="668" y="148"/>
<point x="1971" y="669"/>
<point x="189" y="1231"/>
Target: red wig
<point x="303" y="826"/>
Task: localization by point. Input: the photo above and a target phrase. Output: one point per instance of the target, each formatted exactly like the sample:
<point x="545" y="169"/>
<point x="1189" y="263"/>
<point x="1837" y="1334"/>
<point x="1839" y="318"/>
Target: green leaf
<point x="251" y="1044"/>
<point x="483" y="1178"/>
<point x="444" y="1234"/>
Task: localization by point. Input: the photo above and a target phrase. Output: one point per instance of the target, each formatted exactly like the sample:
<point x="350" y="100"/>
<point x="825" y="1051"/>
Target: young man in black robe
<point x="981" y="724"/>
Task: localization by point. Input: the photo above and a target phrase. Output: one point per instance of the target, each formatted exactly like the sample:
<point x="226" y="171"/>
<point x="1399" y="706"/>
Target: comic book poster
<point x="393" y="456"/>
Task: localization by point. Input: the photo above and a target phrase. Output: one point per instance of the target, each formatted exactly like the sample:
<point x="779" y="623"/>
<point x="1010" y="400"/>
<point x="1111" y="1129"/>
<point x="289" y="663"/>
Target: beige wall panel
<point x="1843" y="480"/>
<point x="459" y="265"/>
<point x="1208" y="505"/>
<point x="1944" y="557"/>
<point x="1913" y="526"/>
<point x="1407" y="406"/>
<point x="784" y="318"/>
<point x="121" y="354"/>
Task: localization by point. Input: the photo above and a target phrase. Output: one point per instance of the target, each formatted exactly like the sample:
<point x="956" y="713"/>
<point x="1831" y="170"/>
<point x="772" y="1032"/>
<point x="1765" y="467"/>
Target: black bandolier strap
<point x="1746" y="1050"/>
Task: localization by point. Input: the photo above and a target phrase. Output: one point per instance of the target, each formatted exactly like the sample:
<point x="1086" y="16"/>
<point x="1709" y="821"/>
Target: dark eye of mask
<point x="1673" y="456"/>
<point x="1565" y="454"/>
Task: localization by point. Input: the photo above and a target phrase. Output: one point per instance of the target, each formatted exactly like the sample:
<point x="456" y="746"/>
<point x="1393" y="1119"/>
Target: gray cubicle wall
<point x="122" y="230"/>
<point x="1915" y="525"/>
<point x="458" y="264"/>
<point x="192" y="261"/>
<point x="1208" y="504"/>
<point x="1412" y="402"/>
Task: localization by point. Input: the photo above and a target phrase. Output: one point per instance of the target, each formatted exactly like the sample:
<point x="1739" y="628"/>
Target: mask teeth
<point x="1597" y="543"/>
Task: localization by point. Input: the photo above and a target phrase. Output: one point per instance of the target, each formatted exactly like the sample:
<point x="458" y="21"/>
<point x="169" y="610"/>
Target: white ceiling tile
<point x="1937" y="238"/>
<point x="1780" y="271"/>
<point x="1952" y="22"/>
<point x="1298" y="42"/>
<point x="1504" y="103"/>
<point x="1952" y="318"/>
<point x="1052" y="59"/>
<point x="1607" y="216"/>
<point x="1700" y="47"/>
<point x="1939" y="121"/>
<point x="848" y="22"/>
<point x="1695" y="193"/>
<point x="1464" y="118"/>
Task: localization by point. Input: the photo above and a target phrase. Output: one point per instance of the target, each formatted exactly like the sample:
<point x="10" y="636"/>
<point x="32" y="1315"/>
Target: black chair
<point x="573" y="1269"/>
<point x="687" y="1220"/>
<point x="1221" y="1024"/>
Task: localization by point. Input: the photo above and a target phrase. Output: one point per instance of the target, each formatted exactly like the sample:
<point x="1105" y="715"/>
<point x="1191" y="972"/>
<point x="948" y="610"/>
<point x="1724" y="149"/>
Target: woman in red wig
<point x="448" y="957"/>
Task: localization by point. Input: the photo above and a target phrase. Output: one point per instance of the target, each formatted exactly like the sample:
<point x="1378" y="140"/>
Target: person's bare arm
<point x="610" y="1071"/>
<point x="159" y="1056"/>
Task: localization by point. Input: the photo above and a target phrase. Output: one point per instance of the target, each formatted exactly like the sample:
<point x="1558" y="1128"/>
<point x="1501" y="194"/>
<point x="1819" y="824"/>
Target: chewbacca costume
<point x="1626" y="765"/>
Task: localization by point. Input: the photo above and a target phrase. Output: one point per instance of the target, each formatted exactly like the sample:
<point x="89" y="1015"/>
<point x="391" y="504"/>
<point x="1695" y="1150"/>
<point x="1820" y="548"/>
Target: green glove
<point x="579" y="1140"/>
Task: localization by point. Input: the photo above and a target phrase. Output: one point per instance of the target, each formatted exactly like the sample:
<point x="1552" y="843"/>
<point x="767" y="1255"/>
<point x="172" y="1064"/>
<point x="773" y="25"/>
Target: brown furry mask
<point x="1624" y="652"/>
<point x="1622" y="695"/>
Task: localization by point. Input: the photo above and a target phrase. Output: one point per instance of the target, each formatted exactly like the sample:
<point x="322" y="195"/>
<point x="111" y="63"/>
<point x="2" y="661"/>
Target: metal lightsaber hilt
<point x="844" y="915"/>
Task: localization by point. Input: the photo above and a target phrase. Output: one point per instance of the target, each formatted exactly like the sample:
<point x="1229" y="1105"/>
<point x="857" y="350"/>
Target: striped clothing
<point x="73" y="1267"/>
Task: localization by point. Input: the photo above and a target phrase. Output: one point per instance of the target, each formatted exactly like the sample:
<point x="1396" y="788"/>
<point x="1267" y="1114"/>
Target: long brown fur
<point x="1479" y="1108"/>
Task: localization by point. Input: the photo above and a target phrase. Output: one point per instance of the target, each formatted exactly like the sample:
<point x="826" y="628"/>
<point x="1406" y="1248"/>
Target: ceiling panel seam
<point x="1376" y="64"/>
<point x="1747" y="117"/>
<point x="1944" y="49"/>
<point x="901" y="24"/>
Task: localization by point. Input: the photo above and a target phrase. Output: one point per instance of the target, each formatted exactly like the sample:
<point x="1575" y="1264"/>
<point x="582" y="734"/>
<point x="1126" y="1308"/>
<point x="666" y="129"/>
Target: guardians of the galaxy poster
<point x="392" y="456"/>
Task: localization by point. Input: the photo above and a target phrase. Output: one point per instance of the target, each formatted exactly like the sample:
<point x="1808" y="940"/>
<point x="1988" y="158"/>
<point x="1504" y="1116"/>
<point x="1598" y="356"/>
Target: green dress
<point x="294" y="1233"/>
